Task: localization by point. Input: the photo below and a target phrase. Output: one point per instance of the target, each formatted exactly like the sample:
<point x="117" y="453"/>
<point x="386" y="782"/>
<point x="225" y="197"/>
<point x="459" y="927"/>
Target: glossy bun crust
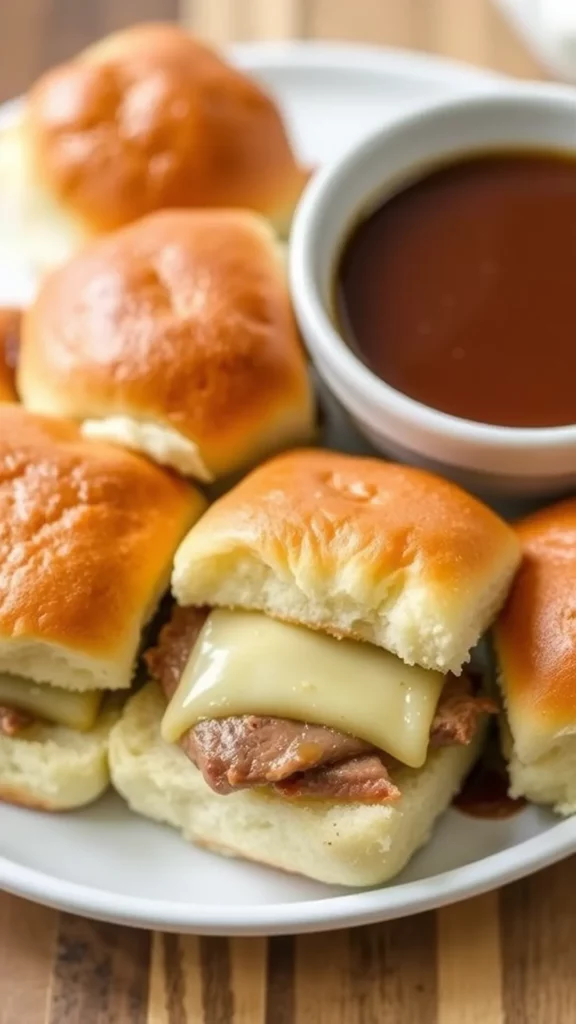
<point x="535" y="642"/>
<point x="9" y="345"/>
<point x="87" y="534"/>
<point x="150" y="118"/>
<point x="357" y="547"/>
<point x="180" y="325"/>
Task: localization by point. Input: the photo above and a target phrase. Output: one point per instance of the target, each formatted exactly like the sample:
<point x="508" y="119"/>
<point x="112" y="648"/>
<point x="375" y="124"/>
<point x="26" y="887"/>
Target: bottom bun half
<point x="352" y="845"/>
<point x="549" y="780"/>
<point x="51" y="768"/>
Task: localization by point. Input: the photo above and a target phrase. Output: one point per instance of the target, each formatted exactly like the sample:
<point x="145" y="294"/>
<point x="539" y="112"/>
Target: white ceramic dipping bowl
<point x="488" y="459"/>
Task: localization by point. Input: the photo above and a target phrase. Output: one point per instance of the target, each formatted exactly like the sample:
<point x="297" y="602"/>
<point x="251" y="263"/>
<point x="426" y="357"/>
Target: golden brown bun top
<point x="87" y="534"/>
<point x="391" y="511"/>
<point x="9" y="346"/>
<point x="183" y="319"/>
<point x="359" y="540"/>
<point x="150" y="118"/>
<point x="535" y="635"/>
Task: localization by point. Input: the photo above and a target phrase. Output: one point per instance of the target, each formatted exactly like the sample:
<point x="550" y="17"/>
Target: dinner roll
<point x="9" y="345"/>
<point x="51" y="768"/>
<point x="87" y="535"/>
<point x="357" y="547"/>
<point x="535" y="644"/>
<point x="149" y="118"/>
<point x="174" y="336"/>
<point x="343" y="844"/>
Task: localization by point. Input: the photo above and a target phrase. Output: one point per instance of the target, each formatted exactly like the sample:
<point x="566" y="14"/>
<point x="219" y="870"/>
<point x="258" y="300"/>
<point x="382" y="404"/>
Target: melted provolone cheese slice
<point x="62" y="707"/>
<point x="246" y="663"/>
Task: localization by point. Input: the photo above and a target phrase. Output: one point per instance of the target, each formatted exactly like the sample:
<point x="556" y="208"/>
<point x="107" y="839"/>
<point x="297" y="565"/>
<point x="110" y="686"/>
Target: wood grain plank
<point x="194" y="1002"/>
<point x="508" y="53"/>
<point x="385" y="973"/>
<point x="218" y="1000"/>
<point x="224" y="20"/>
<point x="175" y="980"/>
<point x="462" y="30"/>
<point x="100" y="973"/>
<point x="322" y="978"/>
<point x="38" y="33"/>
<point x="283" y="19"/>
<point x="280" y="980"/>
<point x="537" y="926"/>
<point x="117" y="15"/>
<point x="22" y="33"/>
<point x="477" y="32"/>
<point x="67" y="28"/>
<point x="217" y="20"/>
<point x="248" y="970"/>
<point x="469" y="962"/>
<point x="158" y="1012"/>
<point x="392" y="971"/>
<point x="394" y="22"/>
<point x="175" y="991"/>
<point x="27" y="948"/>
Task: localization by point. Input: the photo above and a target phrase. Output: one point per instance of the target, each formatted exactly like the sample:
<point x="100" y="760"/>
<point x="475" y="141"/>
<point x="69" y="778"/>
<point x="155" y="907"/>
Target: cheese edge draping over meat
<point x="298" y="759"/>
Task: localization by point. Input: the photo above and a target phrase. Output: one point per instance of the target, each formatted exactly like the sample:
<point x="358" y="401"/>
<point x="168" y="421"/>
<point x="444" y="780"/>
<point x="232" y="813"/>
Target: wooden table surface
<point x="505" y="957"/>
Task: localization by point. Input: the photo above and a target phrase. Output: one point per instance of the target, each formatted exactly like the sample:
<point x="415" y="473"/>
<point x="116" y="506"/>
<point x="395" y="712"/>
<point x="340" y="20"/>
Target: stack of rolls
<point x="165" y="349"/>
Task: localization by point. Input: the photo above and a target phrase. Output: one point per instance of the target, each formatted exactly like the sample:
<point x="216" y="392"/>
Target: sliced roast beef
<point x="167" y="661"/>
<point x="356" y="780"/>
<point x="251" y="750"/>
<point x="458" y="712"/>
<point x="12" y="721"/>
<point x="299" y="759"/>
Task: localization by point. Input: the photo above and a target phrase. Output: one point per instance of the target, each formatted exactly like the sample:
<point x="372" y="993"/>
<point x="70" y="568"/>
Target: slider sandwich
<point x="308" y="709"/>
<point x="175" y="337"/>
<point x="535" y="646"/>
<point x="87" y="537"/>
<point x="147" y="119"/>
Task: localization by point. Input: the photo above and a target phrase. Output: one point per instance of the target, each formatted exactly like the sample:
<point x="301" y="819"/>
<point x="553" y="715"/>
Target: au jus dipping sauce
<point x="460" y="290"/>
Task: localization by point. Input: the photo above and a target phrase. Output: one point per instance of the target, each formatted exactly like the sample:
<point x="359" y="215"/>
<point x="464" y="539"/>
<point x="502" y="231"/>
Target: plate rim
<point x="301" y="916"/>
<point x="333" y="55"/>
<point x="346" y="909"/>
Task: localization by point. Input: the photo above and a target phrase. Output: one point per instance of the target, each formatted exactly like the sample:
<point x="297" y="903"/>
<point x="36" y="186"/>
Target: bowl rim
<point x="324" y="341"/>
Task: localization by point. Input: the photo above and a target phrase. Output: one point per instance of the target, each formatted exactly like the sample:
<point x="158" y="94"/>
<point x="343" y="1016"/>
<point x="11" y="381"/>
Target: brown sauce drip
<point x="485" y="794"/>
<point x="485" y="790"/>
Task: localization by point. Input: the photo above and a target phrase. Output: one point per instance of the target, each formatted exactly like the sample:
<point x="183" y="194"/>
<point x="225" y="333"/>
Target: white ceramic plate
<point x="105" y="862"/>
